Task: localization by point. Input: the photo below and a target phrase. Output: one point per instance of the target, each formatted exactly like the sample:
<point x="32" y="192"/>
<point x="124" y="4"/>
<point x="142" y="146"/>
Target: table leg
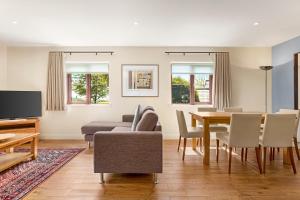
<point x="194" y="140"/>
<point x="206" y="138"/>
<point x="34" y="144"/>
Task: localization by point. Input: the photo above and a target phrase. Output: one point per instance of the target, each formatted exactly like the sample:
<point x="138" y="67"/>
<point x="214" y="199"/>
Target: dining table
<point x="208" y="118"/>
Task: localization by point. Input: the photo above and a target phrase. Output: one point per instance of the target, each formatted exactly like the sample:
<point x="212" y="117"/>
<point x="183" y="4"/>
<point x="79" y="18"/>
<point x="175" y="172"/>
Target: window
<point x="87" y="83"/>
<point x="192" y="83"/>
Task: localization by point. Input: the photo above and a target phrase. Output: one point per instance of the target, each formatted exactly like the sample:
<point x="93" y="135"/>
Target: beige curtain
<point x="55" y="82"/>
<point x="222" y="83"/>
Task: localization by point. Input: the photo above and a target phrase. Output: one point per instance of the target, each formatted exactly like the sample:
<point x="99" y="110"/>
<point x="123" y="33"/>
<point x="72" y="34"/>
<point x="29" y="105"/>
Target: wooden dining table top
<point x="223" y="116"/>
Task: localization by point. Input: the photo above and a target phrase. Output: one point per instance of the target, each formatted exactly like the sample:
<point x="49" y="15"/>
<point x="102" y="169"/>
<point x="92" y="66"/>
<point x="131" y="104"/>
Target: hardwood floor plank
<point x="187" y="179"/>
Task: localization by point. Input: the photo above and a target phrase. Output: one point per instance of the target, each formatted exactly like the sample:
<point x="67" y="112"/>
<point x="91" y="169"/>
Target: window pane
<point x="181" y="88"/>
<point x="203" y="88"/>
<point x="99" y="88"/>
<point x="78" y="88"/>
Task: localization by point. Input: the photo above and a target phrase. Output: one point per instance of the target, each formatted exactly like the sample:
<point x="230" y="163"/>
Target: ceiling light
<point x="135" y="23"/>
<point x="255" y="23"/>
<point x="14" y="22"/>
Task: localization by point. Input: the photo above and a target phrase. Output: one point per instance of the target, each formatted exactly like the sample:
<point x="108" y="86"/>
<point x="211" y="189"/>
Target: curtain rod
<point x="193" y="52"/>
<point x="93" y="52"/>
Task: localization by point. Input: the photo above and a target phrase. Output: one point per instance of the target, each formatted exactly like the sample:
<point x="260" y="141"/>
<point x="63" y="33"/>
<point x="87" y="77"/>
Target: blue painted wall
<point x="283" y="74"/>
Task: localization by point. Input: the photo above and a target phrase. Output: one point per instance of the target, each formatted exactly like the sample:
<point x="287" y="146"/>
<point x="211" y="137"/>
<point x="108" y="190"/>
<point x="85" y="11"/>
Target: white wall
<point x="27" y="70"/>
<point x="3" y="74"/>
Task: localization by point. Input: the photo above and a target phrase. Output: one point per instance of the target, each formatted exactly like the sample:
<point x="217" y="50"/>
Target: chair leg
<point x="184" y="146"/>
<point x="89" y="144"/>
<point x="246" y="154"/>
<point x="270" y="155"/>
<point x="265" y="159"/>
<point x="230" y="156"/>
<point x="179" y="143"/>
<point x="217" y="153"/>
<point x="296" y="148"/>
<point x="273" y="154"/>
<point x="258" y="158"/>
<point x="242" y="155"/>
<point x="290" y="151"/>
<point x="278" y="149"/>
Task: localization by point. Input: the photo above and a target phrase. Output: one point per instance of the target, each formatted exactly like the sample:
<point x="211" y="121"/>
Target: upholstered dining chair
<point x="297" y="113"/>
<point x="237" y="110"/>
<point x="185" y="133"/>
<point x="243" y="133"/>
<point x="233" y="109"/>
<point x="278" y="132"/>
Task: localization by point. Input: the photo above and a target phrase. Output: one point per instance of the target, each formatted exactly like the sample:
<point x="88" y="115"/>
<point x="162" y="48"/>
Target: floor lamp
<point x="266" y="69"/>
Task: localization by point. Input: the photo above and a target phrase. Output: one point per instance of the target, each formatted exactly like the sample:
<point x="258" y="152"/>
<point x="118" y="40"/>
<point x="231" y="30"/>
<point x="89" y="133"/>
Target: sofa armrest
<point x="127" y="118"/>
<point x="128" y="152"/>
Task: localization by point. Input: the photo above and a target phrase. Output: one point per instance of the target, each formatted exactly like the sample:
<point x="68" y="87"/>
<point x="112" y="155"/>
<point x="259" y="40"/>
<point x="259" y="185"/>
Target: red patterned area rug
<point x="17" y="181"/>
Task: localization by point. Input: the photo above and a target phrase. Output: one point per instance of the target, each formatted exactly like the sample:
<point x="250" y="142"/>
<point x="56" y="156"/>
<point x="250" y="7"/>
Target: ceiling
<point x="148" y="22"/>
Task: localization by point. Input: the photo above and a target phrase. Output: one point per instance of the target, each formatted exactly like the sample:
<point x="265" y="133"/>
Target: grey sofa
<point x="122" y="150"/>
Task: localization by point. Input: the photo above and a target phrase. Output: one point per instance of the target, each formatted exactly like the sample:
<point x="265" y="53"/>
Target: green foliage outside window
<point x="181" y="91"/>
<point x="99" y="86"/>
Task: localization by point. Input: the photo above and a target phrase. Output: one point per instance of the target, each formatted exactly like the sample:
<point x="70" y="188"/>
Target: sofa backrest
<point x="148" y="121"/>
<point x="127" y="118"/>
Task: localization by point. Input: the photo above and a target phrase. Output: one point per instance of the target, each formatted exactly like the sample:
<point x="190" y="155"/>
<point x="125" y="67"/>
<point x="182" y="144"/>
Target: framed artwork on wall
<point x="140" y="80"/>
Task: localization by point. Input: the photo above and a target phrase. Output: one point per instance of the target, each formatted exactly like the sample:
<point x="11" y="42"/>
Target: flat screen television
<point x="20" y="104"/>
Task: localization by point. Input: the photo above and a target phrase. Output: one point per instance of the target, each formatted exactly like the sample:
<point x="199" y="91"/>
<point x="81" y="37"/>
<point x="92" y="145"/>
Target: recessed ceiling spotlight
<point x="14" y="22"/>
<point x="135" y="23"/>
<point x="255" y="23"/>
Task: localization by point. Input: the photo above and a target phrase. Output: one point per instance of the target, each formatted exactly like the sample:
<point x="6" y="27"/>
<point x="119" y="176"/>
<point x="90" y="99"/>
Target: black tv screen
<point x="20" y="104"/>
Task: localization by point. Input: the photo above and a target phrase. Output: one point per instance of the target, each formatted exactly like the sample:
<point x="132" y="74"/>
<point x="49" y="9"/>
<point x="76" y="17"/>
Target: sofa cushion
<point x="145" y="109"/>
<point x="119" y="128"/>
<point x="136" y="118"/>
<point x="148" y="121"/>
<point x="95" y="126"/>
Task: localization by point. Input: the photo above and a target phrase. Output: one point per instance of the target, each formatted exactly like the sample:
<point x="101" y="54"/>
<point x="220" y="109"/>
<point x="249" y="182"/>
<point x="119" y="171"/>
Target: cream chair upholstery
<point x="244" y="133"/>
<point x="191" y="132"/>
<point x="278" y="132"/>
<point x="297" y="113"/>
<point x="233" y="109"/>
<point x="212" y="128"/>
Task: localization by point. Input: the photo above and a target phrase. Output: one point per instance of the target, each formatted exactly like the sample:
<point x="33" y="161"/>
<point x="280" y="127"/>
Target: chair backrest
<point x="207" y="109"/>
<point x="233" y="109"/>
<point x="290" y="111"/>
<point x="181" y="123"/>
<point x="278" y="130"/>
<point x="244" y="129"/>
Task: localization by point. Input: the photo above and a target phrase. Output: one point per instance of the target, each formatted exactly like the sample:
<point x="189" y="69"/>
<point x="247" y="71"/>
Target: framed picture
<point x="140" y="80"/>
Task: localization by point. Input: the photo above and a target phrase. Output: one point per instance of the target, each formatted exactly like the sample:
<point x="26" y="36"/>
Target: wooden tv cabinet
<point x="20" y="126"/>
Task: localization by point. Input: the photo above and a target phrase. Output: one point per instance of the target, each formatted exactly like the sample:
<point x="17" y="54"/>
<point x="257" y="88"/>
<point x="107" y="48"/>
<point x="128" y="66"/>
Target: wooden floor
<point x="180" y="180"/>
